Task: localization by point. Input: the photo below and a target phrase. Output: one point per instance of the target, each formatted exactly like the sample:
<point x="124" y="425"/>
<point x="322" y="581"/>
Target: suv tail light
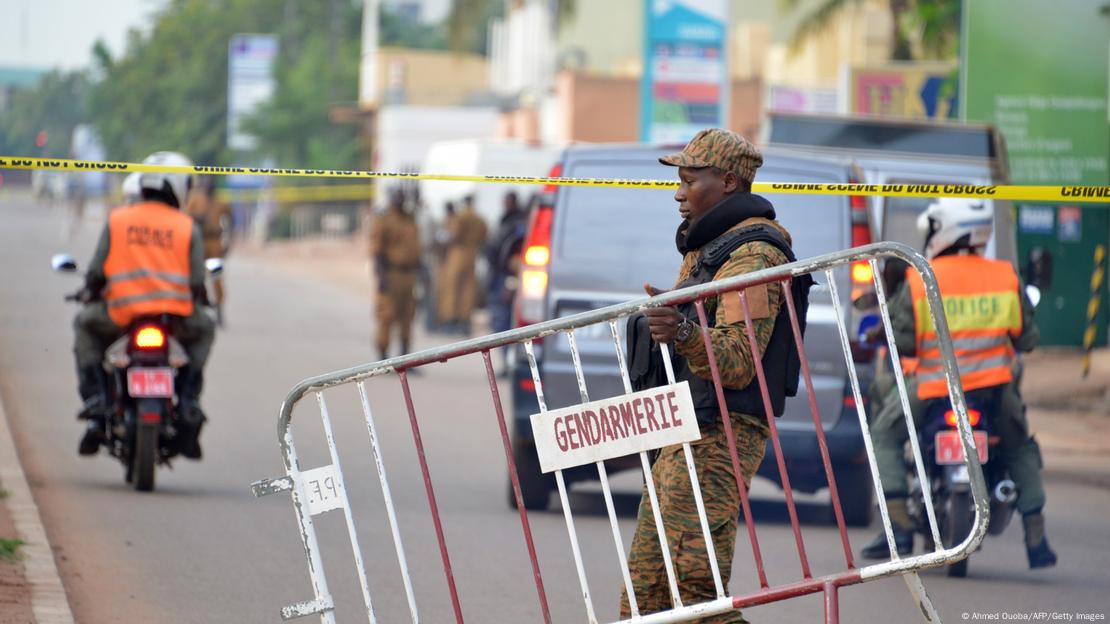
<point x="533" y="271"/>
<point x="861" y="235"/>
<point x="150" y="337"/>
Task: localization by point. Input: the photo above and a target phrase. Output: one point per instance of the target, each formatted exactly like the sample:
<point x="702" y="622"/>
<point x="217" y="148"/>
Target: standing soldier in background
<point x="395" y="249"/>
<point x="214" y="219"/>
<point x="441" y="241"/>
<point x="468" y="235"/>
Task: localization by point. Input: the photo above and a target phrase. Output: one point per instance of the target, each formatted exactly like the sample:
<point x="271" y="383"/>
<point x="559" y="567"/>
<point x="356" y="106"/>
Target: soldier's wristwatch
<point x="684" y="331"/>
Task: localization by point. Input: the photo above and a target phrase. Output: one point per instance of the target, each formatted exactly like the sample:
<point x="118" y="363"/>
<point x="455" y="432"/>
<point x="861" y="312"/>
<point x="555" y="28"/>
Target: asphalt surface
<point x="202" y="549"/>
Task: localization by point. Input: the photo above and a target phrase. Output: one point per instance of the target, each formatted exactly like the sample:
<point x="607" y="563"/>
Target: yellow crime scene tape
<point x="338" y="192"/>
<point x="1070" y="194"/>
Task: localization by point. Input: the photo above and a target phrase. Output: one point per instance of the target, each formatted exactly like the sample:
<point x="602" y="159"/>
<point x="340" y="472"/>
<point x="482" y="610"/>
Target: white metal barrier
<point x="323" y="489"/>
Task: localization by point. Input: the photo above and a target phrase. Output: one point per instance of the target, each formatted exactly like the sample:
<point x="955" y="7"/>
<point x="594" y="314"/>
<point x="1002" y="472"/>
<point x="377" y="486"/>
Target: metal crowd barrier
<point x="308" y="501"/>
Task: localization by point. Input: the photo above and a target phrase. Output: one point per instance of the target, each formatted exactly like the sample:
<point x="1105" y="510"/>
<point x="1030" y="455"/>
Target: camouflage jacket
<point x="729" y="335"/>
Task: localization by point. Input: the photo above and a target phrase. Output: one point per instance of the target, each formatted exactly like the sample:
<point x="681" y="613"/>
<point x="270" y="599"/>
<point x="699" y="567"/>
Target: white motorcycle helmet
<point x="955" y="221"/>
<point x="178" y="183"/>
<point x="131" y="191"/>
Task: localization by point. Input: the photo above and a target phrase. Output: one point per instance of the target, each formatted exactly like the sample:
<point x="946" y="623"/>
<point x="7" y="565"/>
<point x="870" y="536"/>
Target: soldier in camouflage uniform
<point x="716" y="170"/>
<point x="395" y="248"/>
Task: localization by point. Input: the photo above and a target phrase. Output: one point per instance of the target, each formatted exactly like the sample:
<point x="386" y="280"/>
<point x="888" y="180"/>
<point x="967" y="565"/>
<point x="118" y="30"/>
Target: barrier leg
<point x="516" y="488"/>
<point x="727" y="422"/>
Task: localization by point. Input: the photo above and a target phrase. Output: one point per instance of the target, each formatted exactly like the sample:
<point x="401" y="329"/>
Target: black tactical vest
<point x="781" y="365"/>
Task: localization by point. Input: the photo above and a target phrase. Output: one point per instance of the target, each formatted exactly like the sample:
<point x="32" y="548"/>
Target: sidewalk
<point x="1069" y="416"/>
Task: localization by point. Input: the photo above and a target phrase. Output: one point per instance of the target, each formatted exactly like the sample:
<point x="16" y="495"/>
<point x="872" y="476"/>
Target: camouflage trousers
<point x="685" y="539"/>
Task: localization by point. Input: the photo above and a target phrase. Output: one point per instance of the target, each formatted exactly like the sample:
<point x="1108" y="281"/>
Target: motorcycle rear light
<point x="151" y="417"/>
<point x="150" y="338"/>
<point x="528" y="384"/>
<point x="973" y="417"/>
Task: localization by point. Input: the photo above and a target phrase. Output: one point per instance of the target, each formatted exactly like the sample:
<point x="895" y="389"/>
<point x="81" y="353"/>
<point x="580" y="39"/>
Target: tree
<point x="933" y="25"/>
<point x="54" y="106"/>
<point x="169" y="89"/>
<point x="468" y="20"/>
<point x="322" y="72"/>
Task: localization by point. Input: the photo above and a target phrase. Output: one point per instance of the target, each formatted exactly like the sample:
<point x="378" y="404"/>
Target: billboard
<point x="910" y="90"/>
<point x="250" y="83"/>
<point x="1049" y="101"/>
<point x="685" y="82"/>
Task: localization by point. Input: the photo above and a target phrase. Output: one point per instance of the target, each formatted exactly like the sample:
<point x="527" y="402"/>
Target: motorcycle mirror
<point x="63" y="263"/>
<point x="215" y="266"/>
<point x="1034" y="294"/>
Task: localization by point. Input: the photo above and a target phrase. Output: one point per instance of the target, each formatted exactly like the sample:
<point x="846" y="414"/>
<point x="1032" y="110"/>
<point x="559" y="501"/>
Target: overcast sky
<point x="60" y="33"/>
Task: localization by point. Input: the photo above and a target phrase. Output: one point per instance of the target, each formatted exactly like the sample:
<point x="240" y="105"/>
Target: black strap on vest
<point x="780" y="360"/>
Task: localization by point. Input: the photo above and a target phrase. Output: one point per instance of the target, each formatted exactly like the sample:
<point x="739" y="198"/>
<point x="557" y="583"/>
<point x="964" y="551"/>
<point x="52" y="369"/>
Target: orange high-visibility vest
<point x="983" y="308"/>
<point x="148" y="262"/>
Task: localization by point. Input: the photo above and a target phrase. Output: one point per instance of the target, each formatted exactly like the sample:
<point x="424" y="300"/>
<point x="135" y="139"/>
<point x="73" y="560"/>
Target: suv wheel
<point x="856" y="494"/>
<point x="535" y="487"/>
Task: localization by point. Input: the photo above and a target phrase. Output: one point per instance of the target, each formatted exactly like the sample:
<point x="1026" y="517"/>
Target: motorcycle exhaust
<point x="1005" y="492"/>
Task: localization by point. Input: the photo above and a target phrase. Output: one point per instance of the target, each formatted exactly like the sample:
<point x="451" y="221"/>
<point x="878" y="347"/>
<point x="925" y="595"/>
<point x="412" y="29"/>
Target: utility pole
<point x="368" y="86"/>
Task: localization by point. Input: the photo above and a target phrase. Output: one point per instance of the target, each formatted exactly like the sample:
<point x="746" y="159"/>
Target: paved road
<point x="202" y="549"/>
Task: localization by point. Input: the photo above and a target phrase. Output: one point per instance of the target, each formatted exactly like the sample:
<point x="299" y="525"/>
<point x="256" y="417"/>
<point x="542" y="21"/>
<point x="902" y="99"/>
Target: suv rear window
<point x="605" y="225"/>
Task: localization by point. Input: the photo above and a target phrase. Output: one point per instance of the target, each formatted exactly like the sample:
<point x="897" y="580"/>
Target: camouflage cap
<point x="716" y="147"/>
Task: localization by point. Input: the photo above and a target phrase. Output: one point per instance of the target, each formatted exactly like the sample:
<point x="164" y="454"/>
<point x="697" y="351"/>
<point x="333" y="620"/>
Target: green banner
<point x="1039" y="72"/>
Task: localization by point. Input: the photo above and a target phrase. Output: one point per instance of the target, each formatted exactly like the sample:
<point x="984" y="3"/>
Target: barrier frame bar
<point x="323" y="605"/>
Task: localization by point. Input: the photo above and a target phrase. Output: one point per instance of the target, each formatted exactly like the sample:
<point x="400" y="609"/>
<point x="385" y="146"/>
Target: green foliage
<point x="56" y="104"/>
<point x="468" y="22"/>
<point x="9" y="549"/>
<point x="169" y="90"/>
<point x="933" y="25"/>
<point x="400" y="31"/>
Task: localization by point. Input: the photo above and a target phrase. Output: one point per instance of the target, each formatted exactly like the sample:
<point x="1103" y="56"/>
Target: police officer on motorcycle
<point x="149" y="261"/>
<point x="990" y="319"/>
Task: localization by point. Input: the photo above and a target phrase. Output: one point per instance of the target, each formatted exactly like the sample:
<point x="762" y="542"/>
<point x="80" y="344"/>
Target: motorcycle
<point x="143" y="427"/>
<point x="949" y="483"/>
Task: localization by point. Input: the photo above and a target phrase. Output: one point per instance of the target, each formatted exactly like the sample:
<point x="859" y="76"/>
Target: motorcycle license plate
<point x="950" y="451"/>
<point x="156" y="383"/>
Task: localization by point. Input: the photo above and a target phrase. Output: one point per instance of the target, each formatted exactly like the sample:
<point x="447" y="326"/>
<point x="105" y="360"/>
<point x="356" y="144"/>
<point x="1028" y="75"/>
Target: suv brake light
<point x="861" y="235"/>
<point x="533" y="273"/>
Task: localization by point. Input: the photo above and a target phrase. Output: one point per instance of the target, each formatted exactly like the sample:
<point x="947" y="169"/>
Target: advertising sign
<point x="786" y="99"/>
<point x="600" y="430"/>
<point x="685" y="82"/>
<point x="1050" y="102"/>
<point x="910" y="90"/>
<point x="250" y="83"/>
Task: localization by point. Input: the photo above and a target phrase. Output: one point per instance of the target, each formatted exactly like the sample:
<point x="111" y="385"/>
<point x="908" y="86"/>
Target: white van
<point x="481" y="157"/>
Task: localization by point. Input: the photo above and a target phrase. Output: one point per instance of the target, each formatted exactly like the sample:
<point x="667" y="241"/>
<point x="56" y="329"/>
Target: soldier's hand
<point x="662" y="321"/>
